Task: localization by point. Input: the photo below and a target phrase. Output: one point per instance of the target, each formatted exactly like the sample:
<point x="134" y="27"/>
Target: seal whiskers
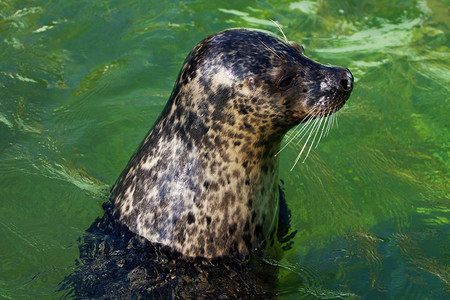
<point x="316" y="121"/>
<point x="296" y="132"/>
<point x="281" y="30"/>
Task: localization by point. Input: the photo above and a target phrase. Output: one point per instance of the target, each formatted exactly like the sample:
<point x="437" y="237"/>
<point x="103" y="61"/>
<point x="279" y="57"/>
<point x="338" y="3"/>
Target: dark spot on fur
<point x="201" y="241"/>
<point x="247" y="226"/>
<point x="218" y="140"/>
<point x="180" y="236"/>
<point x="250" y="203"/>
<point x="232" y="229"/>
<point x="247" y="182"/>
<point x="264" y="168"/>
<point x="208" y="220"/>
<point x="216" y="127"/>
<point x="242" y="110"/>
<point x="214" y="186"/>
<point x="258" y="230"/>
<point x="234" y="247"/>
<point x="210" y="248"/>
<point x="247" y="240"/>
<point x="228" y="199"/>
<point x="190" y="218"/>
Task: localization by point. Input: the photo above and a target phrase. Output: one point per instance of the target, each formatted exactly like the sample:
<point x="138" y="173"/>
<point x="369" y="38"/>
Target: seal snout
<point x="346" y="80"/>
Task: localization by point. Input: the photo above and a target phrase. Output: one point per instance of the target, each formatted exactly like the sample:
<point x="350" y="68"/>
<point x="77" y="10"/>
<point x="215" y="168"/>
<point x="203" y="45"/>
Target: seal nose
<point x="346" y="81"/>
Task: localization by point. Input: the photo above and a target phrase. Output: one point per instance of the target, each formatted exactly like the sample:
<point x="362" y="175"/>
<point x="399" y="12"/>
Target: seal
<point x="204" y="181"/>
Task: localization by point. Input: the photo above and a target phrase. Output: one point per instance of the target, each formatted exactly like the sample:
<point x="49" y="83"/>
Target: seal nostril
<point x="345" y="85"/>
<point x="346" y="82"/>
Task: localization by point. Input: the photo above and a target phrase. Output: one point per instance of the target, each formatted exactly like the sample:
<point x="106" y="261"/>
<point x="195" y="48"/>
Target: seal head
<point x="204" y="180"/>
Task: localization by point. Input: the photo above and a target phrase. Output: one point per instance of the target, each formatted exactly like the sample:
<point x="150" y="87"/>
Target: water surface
<point x="81" y="83"/>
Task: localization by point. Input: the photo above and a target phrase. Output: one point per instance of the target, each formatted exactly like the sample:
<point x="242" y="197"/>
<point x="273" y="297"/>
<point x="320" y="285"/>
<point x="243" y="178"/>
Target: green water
<point x="81" y="83"/>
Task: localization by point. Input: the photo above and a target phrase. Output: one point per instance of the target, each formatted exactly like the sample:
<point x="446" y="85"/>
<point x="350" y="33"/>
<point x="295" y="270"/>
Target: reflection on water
<point x="82" y="82"/>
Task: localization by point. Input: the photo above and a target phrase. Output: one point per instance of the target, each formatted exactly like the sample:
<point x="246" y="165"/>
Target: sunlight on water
<point x="384" y="39"/>
<point x="82" y="83"/>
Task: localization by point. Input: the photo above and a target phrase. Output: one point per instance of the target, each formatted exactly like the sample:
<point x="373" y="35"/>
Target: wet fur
<point x="115" y="263"/>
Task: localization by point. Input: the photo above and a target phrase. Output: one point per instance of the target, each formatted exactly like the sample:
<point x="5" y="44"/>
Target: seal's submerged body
<point x="204" y="180"/>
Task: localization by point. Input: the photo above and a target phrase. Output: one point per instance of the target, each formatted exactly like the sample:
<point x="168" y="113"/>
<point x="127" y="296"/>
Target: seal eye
<point x="286" y="82"/>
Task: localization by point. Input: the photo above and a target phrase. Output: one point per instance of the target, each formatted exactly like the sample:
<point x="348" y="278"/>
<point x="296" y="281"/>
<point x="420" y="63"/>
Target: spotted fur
<point x="204" y="180"/>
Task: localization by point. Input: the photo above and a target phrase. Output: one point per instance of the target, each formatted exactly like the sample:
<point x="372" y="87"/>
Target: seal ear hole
<point x="286" y="82"/>
<point x="302" y="49"/>
<point x="299" y="48"/>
